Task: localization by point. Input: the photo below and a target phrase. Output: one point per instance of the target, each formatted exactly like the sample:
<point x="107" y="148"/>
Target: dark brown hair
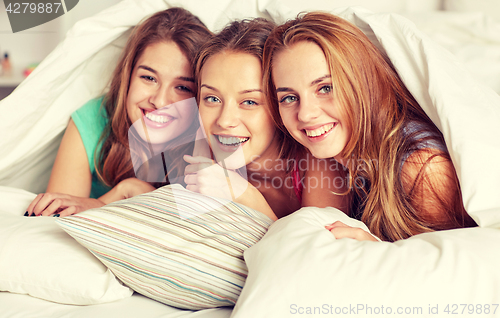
<point x="178" y="25"/>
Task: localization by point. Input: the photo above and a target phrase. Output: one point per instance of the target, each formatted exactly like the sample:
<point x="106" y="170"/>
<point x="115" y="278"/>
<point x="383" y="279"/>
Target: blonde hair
<point x="377" y="106"/>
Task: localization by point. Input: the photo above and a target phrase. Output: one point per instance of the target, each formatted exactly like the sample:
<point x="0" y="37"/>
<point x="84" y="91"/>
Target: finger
<point x="192" y="187"/>
<point x="335" y="225"/>
<point x="190" y="179"/>
<point x="68" y="211"/>
<point x="33" y="203"/>
<point x="43" y="203"/>
<point x="197" y="159"/>
<point x="52" y="208"/>
<point x="352" y="233"/>
<point x="195" y="167"/>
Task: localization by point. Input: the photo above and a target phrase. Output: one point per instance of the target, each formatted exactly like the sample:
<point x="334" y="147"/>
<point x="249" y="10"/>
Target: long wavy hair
<point x="377" y="107"/>
<point x="113" y="163"/>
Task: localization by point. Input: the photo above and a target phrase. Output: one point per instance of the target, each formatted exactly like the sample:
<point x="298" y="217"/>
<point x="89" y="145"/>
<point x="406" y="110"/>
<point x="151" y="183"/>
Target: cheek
<point x="207" y="118"/>
<point x="188" y="114"/>
<point x="266" y="127"/>
<point x="287" y="119"/>
<point x="129" y="105"/>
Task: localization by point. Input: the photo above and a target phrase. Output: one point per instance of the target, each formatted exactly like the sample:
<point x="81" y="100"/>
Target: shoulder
<point x="431" y="183"/>
<point x="91" y="110"/>
<point x="90" y="121"/>
<point x="431" y="164"/>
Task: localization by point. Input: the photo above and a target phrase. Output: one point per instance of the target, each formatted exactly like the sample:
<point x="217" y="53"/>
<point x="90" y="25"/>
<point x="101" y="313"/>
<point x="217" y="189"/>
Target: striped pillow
<point x="178" y="247"/>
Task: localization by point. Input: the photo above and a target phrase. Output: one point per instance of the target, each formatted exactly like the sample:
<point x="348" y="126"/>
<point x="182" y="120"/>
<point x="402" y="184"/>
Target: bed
<point x="449" y="58"/>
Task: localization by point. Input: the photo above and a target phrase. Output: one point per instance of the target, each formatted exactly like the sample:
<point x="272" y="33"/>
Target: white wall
<point x="33" y="45"/>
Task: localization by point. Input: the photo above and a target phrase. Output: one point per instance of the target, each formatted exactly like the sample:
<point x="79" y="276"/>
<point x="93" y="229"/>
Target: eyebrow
<point x="320" y="79"/>
<point x="251" y="91"/>
<point x="241" y="92"/>
<point x="209" y="87"/>
<point x="316" y="81"/>
<point x="182" y="78"/>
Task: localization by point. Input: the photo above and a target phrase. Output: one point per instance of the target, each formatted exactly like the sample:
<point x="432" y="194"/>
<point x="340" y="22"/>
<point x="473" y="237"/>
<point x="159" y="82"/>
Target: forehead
<point x="164" y="56"/>
<point x="238" y="69"/>
<point x="303" y="60"/>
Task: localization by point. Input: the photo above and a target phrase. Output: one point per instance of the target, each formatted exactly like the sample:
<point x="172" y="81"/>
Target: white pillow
<point x="39" y="259"/>
<point x="14" y="201"/>
<point x="299" y="269"/>
<point x="173" y="245"/>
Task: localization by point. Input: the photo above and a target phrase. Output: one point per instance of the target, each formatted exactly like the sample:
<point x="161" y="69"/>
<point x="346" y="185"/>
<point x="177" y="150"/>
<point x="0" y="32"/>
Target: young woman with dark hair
<point x="95" y="162"/>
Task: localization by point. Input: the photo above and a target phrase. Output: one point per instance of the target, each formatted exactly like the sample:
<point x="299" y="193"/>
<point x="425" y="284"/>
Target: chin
<point x="321" y="154"/>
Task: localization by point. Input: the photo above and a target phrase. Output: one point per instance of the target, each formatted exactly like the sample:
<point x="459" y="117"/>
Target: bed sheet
<point x="23" y="306"/>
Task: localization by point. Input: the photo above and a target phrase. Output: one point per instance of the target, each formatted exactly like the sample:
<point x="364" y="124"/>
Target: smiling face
<point x="160" y="101"/>
<point x="307" y="104"/>
<point x="233" y="109"/>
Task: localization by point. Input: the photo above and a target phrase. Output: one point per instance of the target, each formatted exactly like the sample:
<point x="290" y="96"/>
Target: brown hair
<point x="377" y="106"/>
<point x="246" y="36"/>
<point x="178" y="25"/>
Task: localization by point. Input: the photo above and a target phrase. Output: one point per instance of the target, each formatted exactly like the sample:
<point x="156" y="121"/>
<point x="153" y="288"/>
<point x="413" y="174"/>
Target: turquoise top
<point x="90" y="120"/>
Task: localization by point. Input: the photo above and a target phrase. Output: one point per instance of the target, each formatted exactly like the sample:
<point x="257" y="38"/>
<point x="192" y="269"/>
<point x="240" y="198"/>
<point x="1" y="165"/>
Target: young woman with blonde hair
<point x="245" y="146"/>
<point x="335" y="93"/>
<point x="94" y="165"/>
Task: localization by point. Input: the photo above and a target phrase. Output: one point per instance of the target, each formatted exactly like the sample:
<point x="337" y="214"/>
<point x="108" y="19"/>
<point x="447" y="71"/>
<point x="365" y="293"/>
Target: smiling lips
<point x="231" y="140"/>
<point x="318" y="132"/>
<point x="155" y="119"/>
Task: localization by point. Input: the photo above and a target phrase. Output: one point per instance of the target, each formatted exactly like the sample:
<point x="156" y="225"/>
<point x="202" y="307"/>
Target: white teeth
<point x="319" y="131"/>
<point x="231" y="141"/>
<point x="157" y="118"/>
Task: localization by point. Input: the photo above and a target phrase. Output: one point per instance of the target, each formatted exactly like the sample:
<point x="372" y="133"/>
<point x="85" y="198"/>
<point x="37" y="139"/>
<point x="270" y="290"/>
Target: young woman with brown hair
<point x="244" y="141"/>
<point x="335" y="93"/>
<point x="94" y="163"/>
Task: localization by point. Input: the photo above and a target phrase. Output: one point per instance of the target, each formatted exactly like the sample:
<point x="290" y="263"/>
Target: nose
<point x="160" y="98"/>
<point x="309" y="109"/>
<point x="228" y="116"/>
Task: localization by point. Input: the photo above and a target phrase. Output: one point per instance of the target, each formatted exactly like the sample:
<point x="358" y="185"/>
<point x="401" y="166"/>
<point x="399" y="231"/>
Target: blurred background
<point x="27" y="48"/>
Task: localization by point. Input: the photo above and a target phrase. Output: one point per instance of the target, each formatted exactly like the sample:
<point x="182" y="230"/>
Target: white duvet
<point x="298" y="266"/>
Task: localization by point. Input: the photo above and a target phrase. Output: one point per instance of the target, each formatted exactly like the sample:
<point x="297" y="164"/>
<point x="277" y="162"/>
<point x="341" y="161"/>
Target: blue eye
<point x="288" y="99"/>
<point x="212" y="99"/>
<point x="327" y="89"/>
<point x="249" y="103"/>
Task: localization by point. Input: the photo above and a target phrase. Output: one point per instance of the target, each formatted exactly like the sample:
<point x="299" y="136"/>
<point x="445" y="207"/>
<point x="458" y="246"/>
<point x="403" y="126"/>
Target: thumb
<point x="197" y="159"/>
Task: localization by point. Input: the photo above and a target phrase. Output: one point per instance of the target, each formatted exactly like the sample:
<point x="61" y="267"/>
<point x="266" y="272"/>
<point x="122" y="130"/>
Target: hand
<point x="126" y="189"/>
<point x="341" y="230"/>
<point x="204" y="176"/>
<point x="59" y="204"/>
